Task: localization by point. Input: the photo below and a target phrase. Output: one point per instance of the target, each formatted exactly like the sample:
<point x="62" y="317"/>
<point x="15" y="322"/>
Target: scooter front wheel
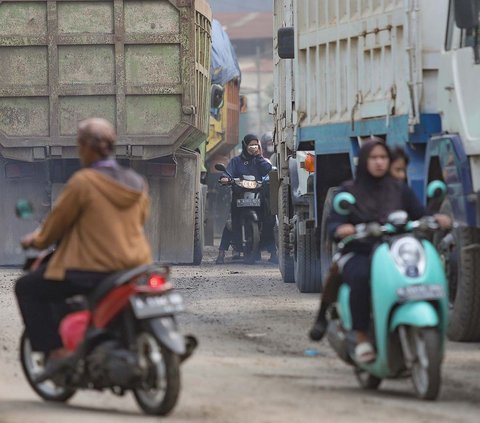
<point x="367" y="380"/>
<point x="426" y="369"/>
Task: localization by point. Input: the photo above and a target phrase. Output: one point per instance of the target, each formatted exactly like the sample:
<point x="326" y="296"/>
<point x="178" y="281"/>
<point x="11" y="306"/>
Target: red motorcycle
<point x="124" y="336"/>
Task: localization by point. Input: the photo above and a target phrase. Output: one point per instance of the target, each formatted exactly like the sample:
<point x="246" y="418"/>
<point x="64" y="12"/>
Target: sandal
<point x="364" y="353"/>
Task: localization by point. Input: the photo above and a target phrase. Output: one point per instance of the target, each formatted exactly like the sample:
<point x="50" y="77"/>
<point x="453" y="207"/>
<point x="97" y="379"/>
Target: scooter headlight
<point x="409" y="256"/>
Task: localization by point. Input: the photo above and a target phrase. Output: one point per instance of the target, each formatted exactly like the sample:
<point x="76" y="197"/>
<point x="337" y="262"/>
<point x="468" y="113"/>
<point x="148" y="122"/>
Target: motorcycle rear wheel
<point x="160" y="394"/>
<point x="426" y="370"/>
<point x="32" y="364"/>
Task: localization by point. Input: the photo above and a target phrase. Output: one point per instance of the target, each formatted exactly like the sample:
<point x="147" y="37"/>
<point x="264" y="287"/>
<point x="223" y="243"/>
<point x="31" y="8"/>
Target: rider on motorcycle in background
<point x="268" y="147"/>
<point x="98" y="222"/>
<point x="249" y="162"/>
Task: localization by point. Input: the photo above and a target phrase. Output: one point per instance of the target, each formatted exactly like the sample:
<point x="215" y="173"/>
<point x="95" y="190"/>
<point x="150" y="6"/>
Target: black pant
<point x="356" y="274"/>
<point x="226" y="238"/>
<point x="42" y="303"/>
<point x="236" y="214"/>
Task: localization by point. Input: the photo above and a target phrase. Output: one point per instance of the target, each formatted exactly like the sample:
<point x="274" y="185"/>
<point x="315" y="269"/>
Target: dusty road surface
<point x="251" y="364"/>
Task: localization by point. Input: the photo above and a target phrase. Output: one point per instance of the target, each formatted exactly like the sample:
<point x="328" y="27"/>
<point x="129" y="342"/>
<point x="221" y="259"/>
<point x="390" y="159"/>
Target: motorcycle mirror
<point x="24" y="209"/>
<point x="436" y="189"/>
<point x="343" y="202"/>
<point x="220" y="167"/>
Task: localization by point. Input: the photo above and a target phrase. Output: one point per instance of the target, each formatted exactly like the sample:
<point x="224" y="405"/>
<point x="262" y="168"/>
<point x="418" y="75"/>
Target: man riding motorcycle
<point x="98" y="223"/>
<point x="249" y="162"/>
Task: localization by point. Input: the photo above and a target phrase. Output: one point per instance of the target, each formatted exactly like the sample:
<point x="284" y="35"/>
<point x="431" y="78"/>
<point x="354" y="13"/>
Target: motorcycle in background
<point x="247" y="196"/>
<point x="409" y="302"/>
<point x="123" y="337"/>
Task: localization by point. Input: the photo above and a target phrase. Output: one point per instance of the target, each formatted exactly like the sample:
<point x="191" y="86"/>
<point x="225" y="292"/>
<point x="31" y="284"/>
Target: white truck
<point x="404" y="70"/>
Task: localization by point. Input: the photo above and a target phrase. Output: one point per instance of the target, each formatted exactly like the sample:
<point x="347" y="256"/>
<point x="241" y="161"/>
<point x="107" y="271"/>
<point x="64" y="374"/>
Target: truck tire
<point x="285" y="259"/>
<point x="198" y="237"/>
<point x="307" y="262"/>
<point x="462" y="266"/>
<point x="327" y="246"/>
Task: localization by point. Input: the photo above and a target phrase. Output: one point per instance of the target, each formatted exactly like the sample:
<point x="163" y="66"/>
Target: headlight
<point x="249" y="184"/>
<point x="409" y="256"/>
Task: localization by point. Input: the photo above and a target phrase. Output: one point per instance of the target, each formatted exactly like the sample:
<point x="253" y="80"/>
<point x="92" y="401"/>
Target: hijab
<point x="376" y="197"/>
<point x="246" y="140"/>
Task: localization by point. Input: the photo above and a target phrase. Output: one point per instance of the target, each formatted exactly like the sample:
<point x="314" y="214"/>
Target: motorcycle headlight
<point x="249" y="184"/>
<point x="409" y="256"/>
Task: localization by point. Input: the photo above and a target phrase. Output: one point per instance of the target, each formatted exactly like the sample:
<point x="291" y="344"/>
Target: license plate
<point x="145" y="307"/>
<point x="420" y="292"/>
<point x="248" y="202"/>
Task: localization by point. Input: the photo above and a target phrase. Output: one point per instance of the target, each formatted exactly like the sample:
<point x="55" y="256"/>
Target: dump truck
<point x="224" y="120"/>
<point x="405" y="71"/>
<point x="144" y="66"/>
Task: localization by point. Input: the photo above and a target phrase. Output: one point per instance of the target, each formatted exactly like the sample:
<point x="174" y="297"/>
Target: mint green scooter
<point x="409" y="302"/>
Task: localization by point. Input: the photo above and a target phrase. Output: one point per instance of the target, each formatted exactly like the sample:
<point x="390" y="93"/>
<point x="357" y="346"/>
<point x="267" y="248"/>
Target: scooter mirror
<point x="24" y="209"/>
<point x="436" y="189"/>
<point x="343" y="202"/>
<point x="220" y="167"/>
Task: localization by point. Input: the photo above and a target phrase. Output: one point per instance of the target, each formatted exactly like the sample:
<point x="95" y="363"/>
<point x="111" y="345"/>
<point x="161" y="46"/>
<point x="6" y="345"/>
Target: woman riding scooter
<point x="378" y="194"/>
<point x="398" y="169"/>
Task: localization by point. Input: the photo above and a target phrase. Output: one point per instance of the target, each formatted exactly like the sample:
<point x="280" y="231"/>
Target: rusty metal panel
<point x="152" y="64"/>
<point x="85" y="17"/>
<point x="73" y="109"/>
<point x="24" y="116"/>
<point x="23" y="66"/>
<point x="154" y="17"/>
<point x="152" y="114"/>
<point x="86" y="64"/>
<point x="25" y="19"/>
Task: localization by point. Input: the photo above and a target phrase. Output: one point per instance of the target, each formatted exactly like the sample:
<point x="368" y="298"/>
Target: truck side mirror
<point x="286" y="43"/>
<point x="343" y="202"/>
<point x="216" y="96"/>
<point x="466" y="13"/>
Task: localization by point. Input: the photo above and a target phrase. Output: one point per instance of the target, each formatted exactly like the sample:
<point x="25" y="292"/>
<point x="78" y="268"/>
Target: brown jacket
<point x="100" y="223"/>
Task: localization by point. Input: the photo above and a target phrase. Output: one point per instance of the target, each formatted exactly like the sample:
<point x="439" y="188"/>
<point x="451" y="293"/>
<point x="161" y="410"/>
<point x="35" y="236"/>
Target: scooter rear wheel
<point x="426" y="370"/>
<point x="366" y="380"/>
<point x="33" y="364"/>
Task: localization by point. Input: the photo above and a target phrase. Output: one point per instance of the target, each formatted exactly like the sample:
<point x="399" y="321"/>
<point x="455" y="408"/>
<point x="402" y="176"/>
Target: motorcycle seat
<point x="114" y="280"/>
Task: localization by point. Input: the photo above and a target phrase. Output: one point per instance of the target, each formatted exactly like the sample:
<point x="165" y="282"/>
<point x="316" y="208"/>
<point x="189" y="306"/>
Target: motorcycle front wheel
<point x="33" y="363"/>
<point x="161" y="387"/>
<point x="252" y="241"/>
<point x="426" y="371"/>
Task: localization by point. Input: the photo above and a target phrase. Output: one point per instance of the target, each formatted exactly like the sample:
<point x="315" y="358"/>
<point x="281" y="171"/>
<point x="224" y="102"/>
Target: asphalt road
<point x="251" y="365"/>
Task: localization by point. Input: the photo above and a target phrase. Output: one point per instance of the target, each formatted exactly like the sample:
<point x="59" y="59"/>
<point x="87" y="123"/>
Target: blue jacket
<point x="256" y="166"/>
